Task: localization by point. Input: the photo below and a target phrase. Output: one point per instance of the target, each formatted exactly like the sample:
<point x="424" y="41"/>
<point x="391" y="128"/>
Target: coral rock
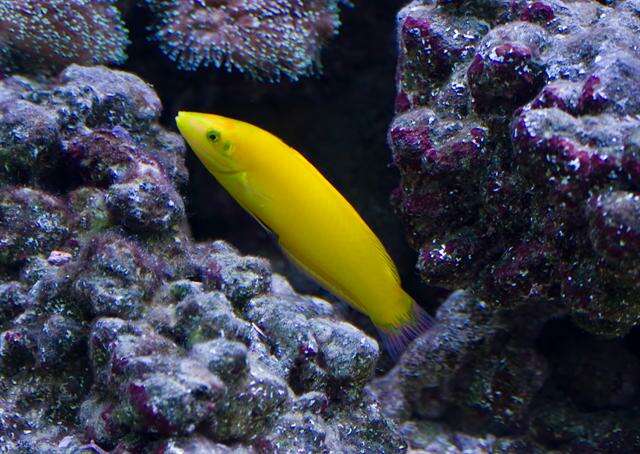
<point x="509" y="155"/>
<point x="516" y="138"/>
<point x="31" y="222"/>
<point x="118" y="331"/>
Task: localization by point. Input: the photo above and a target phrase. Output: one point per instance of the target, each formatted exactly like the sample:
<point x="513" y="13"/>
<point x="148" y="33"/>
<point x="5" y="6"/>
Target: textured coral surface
<point x="266" y="39"/>
<point x="517" y="141"/>
<point x="50" y="34"/>
<point x="516" y="137"/>
<point x="117" y="331"/>
<point x="484" y="379"/>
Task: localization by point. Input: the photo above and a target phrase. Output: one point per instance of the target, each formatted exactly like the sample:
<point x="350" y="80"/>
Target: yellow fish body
<point x="315" y="225"/>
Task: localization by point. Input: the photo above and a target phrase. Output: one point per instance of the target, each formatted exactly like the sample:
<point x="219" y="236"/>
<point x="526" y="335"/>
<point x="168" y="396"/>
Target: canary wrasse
<point x="316" y="227"/>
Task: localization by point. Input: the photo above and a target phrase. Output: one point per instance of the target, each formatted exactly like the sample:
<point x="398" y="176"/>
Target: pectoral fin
<point x="251" y="189"/>
<point x="259" y="198"/>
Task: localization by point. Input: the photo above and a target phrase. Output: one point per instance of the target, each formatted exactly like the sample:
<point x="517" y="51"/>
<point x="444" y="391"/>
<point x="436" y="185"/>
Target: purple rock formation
<point x="516" y="140"/>
<point x="486" y="371"/>
<point x="118" y="332"/>
<point x="517" y="143"/>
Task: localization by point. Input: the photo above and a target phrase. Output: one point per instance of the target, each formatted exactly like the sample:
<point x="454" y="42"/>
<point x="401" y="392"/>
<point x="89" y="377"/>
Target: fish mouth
<point x="193" y="127"/>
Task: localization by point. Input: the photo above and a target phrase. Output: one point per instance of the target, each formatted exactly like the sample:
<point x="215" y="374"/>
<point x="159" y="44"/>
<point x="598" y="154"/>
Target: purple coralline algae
<point x="516" y="137"/>
<point x="118" y="331"/>
<point x="485" y="381"/>
<point x="517" y="142"/>
<point x="266" y="39"/>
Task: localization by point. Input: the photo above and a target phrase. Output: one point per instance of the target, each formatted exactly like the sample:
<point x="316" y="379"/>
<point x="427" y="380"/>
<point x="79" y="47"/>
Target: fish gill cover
<point x="118" y="331"/>
<point x="518" y="143"/>
<point x="266" y="39"/>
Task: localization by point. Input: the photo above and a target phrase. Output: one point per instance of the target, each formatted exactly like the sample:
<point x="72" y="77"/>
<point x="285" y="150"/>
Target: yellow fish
<point x="316" y="227"/>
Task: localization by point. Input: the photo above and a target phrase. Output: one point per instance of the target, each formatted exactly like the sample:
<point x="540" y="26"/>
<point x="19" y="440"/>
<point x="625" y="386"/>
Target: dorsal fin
<point x="387" y="259"/>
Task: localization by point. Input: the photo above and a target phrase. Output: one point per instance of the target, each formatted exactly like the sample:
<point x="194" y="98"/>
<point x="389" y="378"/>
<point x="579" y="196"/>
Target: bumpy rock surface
<point x="517" y="142"/>
<point x="516" y="137"/>
<point x="118" y="332"/>
<point x="526" y="388"/>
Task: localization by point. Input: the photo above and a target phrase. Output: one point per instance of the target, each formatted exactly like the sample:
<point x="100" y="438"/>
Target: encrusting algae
<point x="118" y="331"/>
<point x="315" y="225"/>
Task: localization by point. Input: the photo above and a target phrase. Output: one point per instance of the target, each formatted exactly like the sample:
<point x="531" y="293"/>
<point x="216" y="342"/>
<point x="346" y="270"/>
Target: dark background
<point x="337" y="119"/>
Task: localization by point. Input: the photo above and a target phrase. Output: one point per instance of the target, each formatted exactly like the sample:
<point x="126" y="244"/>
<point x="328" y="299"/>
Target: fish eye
<point x="213" y="136"/>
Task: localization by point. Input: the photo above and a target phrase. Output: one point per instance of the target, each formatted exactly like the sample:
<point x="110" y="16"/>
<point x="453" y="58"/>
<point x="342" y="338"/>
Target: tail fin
<point x="396" y="340"/>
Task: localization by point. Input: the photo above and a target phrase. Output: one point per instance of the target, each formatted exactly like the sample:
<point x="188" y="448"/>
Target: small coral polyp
<point x="516" y="139"/>
<point x="118" y="331"/>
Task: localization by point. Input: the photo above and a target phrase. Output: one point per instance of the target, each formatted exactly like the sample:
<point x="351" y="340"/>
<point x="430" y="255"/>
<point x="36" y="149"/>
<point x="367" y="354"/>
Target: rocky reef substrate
<point x="516" y="136"/>
<point x="118" y="332"/>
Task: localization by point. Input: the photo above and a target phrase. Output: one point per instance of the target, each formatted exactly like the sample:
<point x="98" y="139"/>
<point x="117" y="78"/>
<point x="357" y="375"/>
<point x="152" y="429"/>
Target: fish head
<point x="214" y="140"/>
